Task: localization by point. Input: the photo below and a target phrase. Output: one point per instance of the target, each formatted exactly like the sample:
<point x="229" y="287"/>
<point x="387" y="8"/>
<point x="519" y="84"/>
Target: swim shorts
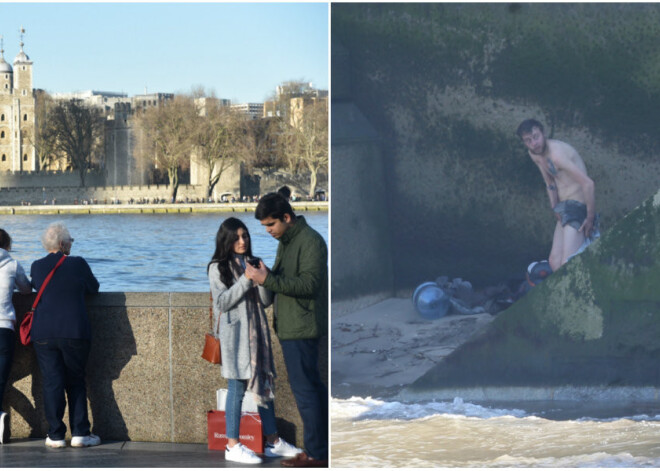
<point x="572" y="212"/>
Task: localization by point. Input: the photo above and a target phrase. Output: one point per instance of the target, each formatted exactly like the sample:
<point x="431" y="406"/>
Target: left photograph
<point x="164" y="228"/>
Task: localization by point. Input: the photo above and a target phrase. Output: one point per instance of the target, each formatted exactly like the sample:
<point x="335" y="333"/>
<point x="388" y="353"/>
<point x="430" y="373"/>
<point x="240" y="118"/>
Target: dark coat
<point x="61" y="313"/>
<point x="299" y="278"/>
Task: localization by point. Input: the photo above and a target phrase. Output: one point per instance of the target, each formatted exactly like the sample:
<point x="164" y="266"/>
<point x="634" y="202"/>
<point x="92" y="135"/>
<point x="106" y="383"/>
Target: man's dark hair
<point x="5" y="240"/>
<point x="285" y="191"/>
<point x="273" y="205"/>
<point x="527" y="126"/>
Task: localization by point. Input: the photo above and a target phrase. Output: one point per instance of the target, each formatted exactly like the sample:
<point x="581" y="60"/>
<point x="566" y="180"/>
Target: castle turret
<point x="18" y="152"/>
<point x="23" y="71"/>
<point x="6" y="72"/>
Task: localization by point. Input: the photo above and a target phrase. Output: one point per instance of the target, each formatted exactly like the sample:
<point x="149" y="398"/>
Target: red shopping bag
<point x="250" y="431"/>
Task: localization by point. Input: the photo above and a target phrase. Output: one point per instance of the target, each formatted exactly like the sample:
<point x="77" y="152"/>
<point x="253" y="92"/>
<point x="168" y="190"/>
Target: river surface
<point x="368" y="432"/>
<point x="144" y="252"/>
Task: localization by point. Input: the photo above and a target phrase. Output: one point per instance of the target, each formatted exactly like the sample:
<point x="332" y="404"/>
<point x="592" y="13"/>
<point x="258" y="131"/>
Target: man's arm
<point x="307" y="282"/>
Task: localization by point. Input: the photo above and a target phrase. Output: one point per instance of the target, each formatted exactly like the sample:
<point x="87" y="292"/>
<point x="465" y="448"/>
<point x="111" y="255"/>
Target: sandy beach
<point x="379" y="348"/>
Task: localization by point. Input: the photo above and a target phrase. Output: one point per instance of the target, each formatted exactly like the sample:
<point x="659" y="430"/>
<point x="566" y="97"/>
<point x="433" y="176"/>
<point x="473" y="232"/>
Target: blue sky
<point x="241" y="51"/>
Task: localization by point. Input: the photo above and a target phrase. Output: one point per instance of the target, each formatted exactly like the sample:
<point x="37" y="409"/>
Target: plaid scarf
<point x="261" y="384"/>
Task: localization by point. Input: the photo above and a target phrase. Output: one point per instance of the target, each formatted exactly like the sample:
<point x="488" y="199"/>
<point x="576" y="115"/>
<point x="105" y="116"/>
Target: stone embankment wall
<point x="146" y="379"/>
<point x="589" y="331"/>
<point x="362" y="241"/>
<point x="156" y="208"/>
<point x="65" y="188"/>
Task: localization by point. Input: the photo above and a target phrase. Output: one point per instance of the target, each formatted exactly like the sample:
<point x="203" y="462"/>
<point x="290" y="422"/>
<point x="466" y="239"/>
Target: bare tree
<point x="166" y="137"/>
<point x="44" y="138"/>
<point x="305" y="138"/>
<point x="78" y="131"/>
<point x="266" y="147"/>
<point x="220" y="139"/>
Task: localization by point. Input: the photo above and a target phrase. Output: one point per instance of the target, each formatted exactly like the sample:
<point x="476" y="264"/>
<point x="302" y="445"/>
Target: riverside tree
<point x="305" y="138"/>
<point x="164" y="136"/>
<point x="302" y="138"/>
<point x="220" y="139"/>
<point x="77" y="130"/>
<point x="44" y="138"/>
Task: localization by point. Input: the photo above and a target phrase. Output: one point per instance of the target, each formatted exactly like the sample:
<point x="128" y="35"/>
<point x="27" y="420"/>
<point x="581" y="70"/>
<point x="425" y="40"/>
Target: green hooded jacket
<point x="299" y="278"/>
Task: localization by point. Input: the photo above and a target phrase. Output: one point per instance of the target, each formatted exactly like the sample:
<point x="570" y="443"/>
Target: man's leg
<point x="557" y="251"/>
<point x="301" y="360"/>
<point x="572" y="241"/>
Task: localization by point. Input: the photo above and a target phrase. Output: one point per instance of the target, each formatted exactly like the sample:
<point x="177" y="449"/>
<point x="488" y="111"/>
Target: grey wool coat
<point x="232" y="330"/>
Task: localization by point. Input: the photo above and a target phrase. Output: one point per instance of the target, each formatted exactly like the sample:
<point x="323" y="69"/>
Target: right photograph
<point x="495" y="224"/>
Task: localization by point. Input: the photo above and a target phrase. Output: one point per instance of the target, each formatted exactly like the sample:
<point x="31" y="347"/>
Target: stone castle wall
<point x="100" y="194"/>
<point x="48" y="179"/>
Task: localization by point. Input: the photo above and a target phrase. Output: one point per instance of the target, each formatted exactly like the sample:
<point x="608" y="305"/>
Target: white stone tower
<point x="17" y="117"/>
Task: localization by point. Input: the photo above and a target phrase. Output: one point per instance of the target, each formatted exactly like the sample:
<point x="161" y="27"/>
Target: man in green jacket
<point x="299" y="279"/>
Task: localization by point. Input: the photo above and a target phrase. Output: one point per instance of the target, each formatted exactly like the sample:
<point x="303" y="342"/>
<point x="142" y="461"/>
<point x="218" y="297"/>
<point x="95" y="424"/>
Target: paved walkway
<point x="32" y="453"/>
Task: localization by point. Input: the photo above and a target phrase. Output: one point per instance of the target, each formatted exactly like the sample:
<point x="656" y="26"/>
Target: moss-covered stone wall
<point x="446" y="85"/>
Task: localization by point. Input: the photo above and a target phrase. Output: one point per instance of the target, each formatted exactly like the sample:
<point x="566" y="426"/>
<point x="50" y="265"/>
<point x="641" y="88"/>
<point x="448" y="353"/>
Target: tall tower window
<point x="24" y="92"/>
<point x="24" y="157"/>
<point x="25" y="117"/>
<point x="2" y="135"/>
<point x="4" y="158"/>
<point x="2" y="118"/>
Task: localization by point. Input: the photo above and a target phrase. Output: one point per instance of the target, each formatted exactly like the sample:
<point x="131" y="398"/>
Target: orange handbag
<point x="211" y="352"/>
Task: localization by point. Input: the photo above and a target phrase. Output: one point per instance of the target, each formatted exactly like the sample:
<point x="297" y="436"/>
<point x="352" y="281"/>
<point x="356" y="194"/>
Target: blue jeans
<point x="62" y="363"/>
<point x="6" y="357"/>
<point x="301" y="359"/>
<point x="235" y="393"/>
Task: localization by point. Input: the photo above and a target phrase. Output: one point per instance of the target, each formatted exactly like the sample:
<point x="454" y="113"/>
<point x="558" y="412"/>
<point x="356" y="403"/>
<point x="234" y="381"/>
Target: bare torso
<point x="553" y="165"/>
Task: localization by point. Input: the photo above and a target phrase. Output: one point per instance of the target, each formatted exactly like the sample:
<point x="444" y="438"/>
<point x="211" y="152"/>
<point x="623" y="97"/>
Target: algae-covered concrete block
<point x="593" y="323"/>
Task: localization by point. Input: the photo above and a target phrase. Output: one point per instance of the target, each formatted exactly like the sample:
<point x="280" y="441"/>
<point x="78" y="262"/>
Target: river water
<point x="368" y="432"/>
<point x="144" y="252"/>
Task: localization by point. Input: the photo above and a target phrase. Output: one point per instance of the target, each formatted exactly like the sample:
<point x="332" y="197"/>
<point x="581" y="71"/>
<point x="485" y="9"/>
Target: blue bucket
<point x="430" y="301"/>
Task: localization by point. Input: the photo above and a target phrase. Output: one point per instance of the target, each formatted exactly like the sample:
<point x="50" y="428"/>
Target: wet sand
<point x="380" y="348"/>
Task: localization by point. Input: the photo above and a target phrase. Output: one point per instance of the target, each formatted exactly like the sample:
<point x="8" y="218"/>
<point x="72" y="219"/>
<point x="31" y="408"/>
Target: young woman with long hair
<point x="247" y="357"/>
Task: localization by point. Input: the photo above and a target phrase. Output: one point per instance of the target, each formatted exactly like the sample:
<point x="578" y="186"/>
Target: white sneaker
<point x="87" y="440"/>
<point x="4" y="428"/>
<point x="55" y="443"/>
<point x="281" y="448"/>
<point x="241" y="454"/>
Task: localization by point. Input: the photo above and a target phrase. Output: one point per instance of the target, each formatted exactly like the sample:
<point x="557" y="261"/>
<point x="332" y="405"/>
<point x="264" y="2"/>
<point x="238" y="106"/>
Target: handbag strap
<point x="46" y="281"/>
<point x="211" y="313"/>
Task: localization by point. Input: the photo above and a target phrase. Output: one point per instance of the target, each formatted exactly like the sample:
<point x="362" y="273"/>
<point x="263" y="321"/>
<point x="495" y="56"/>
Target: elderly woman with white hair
<point x="61" y="336"/>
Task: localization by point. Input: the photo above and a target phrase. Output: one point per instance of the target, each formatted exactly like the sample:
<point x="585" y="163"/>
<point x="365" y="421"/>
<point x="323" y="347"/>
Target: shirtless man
<point x="570" y="190"/>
